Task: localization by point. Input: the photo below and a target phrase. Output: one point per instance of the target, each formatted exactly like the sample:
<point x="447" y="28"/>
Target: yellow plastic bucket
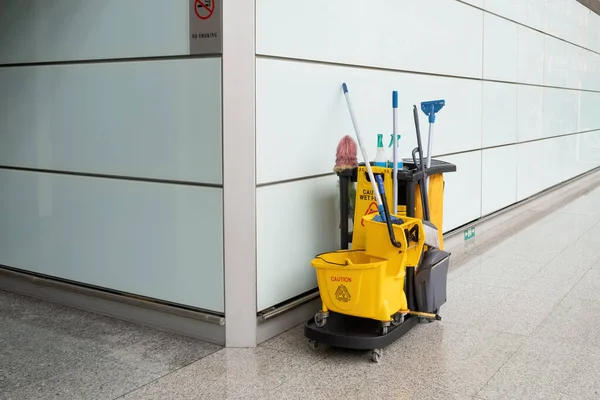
<point x="378" y="244"/>
<point x="354" y="283"/>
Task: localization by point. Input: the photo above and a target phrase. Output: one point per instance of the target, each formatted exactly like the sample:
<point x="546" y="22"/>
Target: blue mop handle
<point x="396" y="155"/>
<point x="380" y="207"/>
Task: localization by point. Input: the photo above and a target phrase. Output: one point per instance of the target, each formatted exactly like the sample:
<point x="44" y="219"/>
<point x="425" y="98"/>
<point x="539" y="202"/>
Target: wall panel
<point x="302" y="114"/>
<point x="297" y="221"/>
<point x="498" y="178"/>
<point x="530" y="56"/>
<point x="500" y="48"/>
<point x="445" y="38"/>
<point x="500" y="106"/>
<point x="155" y="119"/>
<point x="34" y="31"/>
<point x="462" y="193"/>
<point x="156" y="240"/>
<point x="530" y="112"/>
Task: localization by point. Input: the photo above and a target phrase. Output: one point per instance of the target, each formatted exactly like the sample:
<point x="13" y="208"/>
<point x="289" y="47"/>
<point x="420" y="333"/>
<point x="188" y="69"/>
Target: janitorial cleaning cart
<point x="394" y="275"/>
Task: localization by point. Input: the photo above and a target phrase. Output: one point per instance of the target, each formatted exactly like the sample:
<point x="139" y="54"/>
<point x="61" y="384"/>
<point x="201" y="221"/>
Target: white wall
<point x="111" y="170"/>
<point x="521" y="111"/>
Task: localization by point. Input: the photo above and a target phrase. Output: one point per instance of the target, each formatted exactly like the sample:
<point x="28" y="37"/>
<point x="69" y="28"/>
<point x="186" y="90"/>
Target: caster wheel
<point x="398" y="319"/>
<point x="320" y="320"/>
<point x="313" y="345"/>
<point x="376" y="355"/>
<point x="384" y="330"/>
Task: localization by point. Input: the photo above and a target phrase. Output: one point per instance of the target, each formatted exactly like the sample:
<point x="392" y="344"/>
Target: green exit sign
<point x="469" y="233"/>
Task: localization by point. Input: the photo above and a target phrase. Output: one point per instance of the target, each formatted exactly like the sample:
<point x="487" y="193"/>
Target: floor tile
<point x="581" y="255"/>
<point x="32" y="355"/>
<point x="467" y="303"/>
<point x="370" y="392"/>
<point x="227" y="374"/>
<point x="585" y="249"/>
<point x="588" y="287"/>
<point x="521" y="312"/>
<point x="561" y="274"/>
<point x="574" y="321"/>
<point x="381" y="388"/>
<point x="539" y="369"/>
<point x="153" y="350"/>
<point x="492" y="271"/>
<point x="438" y="358"/>
<point x="545" y="239"/>
<point x="458" y="359"/>
<point x="584" y="382"/>
<point x="584" y="205"/>
<point x="460" y="266"/>
<point x="295" y="342"/>
<point x="98" y="379"/>
<point x="96" y="335"/>
<point x="574" y="397"/>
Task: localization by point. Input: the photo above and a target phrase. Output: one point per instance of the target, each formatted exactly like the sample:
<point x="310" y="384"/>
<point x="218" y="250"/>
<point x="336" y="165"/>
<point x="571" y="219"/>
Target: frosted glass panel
<point x="62" y="30"/>
<point x="154" y="119"/>
<point x="155" y="240"/>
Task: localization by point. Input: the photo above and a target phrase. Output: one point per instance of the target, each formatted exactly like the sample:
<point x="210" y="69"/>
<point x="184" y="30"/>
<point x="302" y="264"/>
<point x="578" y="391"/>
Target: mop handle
<point x="428" y="159"/>
<point x="394" y="132"/>
<point x="430" y="108"/>
<point x="362" y="149"/>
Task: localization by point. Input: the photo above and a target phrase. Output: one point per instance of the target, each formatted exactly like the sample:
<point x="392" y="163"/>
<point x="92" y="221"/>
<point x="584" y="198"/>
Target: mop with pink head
<point x="346" y="158"/>
<point x="345" y="155"/>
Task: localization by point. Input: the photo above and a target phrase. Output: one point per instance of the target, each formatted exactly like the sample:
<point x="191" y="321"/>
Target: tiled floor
<point x="522" y="321"/>
<point x="52" y="352"/>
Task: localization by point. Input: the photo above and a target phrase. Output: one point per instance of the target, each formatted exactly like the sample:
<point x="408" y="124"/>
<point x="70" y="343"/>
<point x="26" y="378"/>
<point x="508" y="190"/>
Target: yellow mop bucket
<point x="353" y="283"/>
<point x="410" y="234"/>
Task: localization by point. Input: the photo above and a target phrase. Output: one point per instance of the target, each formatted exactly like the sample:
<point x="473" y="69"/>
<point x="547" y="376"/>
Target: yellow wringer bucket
<point x="369" y="283"/>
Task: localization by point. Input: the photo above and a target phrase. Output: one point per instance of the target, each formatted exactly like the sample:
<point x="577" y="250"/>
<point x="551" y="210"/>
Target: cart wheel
<point x="384" y="330"/>
<point x="397" y="319"/>
<point x="320" y="319"/>
<point x="313" y="344"/>
<point x="376" y="355"/>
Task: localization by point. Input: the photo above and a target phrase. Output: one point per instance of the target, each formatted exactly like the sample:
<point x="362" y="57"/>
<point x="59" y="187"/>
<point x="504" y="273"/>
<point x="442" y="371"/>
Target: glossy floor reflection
<point x="522" y="321"/>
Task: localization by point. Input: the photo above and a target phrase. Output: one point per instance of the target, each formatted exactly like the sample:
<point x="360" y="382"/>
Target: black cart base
<point x="356" y="333"/>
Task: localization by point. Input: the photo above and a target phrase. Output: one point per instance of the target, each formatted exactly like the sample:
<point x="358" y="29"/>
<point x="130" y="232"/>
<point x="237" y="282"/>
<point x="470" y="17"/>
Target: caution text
<point x="341" y="279"/>
<point x="367" y="195"/>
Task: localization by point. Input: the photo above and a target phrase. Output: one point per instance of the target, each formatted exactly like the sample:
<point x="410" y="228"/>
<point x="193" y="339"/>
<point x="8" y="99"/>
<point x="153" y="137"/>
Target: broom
<point x="432" y="238"/>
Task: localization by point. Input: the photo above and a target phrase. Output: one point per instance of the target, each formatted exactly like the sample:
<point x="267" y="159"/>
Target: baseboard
<point x="171" y="319"/>
<point x="287" y="320"/>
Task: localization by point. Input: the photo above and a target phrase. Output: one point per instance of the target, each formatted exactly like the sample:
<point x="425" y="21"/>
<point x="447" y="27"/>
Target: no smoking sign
<point x="205" y="26"/>
<point x="204" y="9"/>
